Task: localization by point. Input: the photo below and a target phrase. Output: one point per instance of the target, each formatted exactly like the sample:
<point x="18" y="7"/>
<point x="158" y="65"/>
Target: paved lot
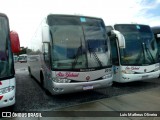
<point x="144" y="101"/>
<point x="31" y="97"/>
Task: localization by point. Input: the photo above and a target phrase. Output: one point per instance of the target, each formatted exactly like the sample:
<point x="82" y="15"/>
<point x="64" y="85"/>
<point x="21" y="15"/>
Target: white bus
<point x="70" y="53"/>
<point x="138" y="60"/>
<point x="9" y="42"/>
<point x="22" y="58"/>
<point x="156" y="31"/>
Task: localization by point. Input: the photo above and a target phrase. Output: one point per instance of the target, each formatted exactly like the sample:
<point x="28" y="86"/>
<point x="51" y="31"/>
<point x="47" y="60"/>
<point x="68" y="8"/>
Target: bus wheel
<point x="42" y="80"/>
<point x="42" y="84"/>
<point x="29" y="70"/>
<point x="9" y="108"/>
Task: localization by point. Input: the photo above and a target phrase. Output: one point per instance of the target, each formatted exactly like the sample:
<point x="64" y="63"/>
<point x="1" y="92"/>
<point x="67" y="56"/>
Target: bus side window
<point x="46" y="54"/>
<point x="114" y="50"/>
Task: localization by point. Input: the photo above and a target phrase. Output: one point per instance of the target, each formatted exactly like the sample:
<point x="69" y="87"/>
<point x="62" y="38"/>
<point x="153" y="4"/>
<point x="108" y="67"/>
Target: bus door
<point x="115" y="57"/>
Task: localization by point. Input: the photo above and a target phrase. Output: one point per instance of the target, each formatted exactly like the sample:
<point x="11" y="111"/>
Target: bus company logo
<point x="67" y="74"/>
<point x="88" y="78"/>
<point x="132" y="68"/>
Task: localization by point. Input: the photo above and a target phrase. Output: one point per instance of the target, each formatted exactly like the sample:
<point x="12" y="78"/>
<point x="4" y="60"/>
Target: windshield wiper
<point x="79" y="52"/>
<point x="94" y="54"/>
<point x="149" y="52"/>
<point x="142" y="53"/>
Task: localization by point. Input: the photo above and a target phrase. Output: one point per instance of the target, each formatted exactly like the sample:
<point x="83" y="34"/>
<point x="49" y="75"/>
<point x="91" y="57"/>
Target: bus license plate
<point x="145" y="76"/>
<point x="87" y="87"/>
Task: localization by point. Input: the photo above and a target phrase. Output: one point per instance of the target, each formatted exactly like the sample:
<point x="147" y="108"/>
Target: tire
<point x="30" y="74"/>
<point x="43" y="86"/>
<point x="11" y="108"/>
<point x="42" y="80"/>
<point x="8" y="108"/>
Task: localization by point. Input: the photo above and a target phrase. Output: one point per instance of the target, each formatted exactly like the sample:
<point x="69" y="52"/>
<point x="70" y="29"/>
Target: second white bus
<point x="138" y="60"/>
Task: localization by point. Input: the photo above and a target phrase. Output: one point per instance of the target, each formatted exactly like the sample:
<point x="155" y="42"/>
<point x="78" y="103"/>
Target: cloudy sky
<point x="26" y="15"/>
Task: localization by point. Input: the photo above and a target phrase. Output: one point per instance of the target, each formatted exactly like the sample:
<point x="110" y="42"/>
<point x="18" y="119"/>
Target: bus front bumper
<point x="138" y="77"/>
<point x="62" y="88"/>
<point x="7" y="99"/>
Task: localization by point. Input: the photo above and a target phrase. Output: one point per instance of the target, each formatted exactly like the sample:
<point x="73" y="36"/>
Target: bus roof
<point x="73" y="15"/>
<point x="2" y="14"/>
<point x="132" y="24"/>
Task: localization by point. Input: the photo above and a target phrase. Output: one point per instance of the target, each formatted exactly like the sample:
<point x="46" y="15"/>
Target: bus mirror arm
<point x="109" y="33"/>
<point x="120" y="38"/>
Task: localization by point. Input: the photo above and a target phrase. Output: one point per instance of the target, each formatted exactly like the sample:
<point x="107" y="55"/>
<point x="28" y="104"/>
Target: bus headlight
<point x="128" y="72"/>
<point x="156" y="69"/>
<point x="107" y="76"/>
<point x="61" y="80"/>
<point x="6" y="90"/>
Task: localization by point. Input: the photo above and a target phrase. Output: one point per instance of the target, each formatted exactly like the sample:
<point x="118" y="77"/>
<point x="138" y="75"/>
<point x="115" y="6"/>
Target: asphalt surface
<point x="31" y="97"/>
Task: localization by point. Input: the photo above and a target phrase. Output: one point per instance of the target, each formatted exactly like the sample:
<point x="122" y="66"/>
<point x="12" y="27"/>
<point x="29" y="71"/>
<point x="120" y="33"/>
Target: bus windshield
<point x="5" y="52"/>
<point x="156" y="31"/>
<point x="141" y="47"/>
<point x="78" y="42"/>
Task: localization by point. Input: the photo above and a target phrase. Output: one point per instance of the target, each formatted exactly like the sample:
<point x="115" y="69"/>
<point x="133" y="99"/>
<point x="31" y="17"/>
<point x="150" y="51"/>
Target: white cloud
<point x="25" y="15"/>
<point x="144" y="16"/>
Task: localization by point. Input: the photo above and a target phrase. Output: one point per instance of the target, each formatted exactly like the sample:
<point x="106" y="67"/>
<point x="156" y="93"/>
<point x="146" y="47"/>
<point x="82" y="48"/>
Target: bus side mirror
<point x="45" y="34"/>
<point x="120" y="38"/>
<point x="15" y="44"/>
<point x="158" y="35"/>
